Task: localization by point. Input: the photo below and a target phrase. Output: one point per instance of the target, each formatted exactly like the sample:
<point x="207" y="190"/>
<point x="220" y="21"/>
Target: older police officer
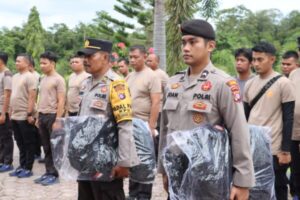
<point x="105" y="93"/>
<point x="204" y="94"/>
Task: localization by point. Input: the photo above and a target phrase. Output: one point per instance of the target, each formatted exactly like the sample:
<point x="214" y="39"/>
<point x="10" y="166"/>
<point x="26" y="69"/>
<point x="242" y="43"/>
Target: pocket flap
<point x="171" y="104"/>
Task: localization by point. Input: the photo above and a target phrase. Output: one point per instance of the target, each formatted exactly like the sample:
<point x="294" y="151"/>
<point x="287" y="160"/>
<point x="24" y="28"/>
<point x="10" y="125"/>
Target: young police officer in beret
<point x="105" y="93"/>
<point x="204" y="94"/>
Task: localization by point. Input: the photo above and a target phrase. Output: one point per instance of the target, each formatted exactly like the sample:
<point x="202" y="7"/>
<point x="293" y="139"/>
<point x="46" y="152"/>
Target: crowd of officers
<point x="30" y="105"/>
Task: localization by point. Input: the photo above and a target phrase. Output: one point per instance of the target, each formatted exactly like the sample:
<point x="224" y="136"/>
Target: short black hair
<point x="75" y="56"/>
<point x="125" y="60"/>
<point x="27" y="57"/>
<point x="50" y="56"/>
<point x="290" y="54"/>
<point x="265" y="47"/>
<point x="247" y="53"/>
<point x="141" y="48"/>
<point x="3" y="57"/>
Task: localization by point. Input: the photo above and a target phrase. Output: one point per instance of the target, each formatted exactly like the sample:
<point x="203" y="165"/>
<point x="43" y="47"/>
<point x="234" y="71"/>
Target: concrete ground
<point x="13" y="188"/>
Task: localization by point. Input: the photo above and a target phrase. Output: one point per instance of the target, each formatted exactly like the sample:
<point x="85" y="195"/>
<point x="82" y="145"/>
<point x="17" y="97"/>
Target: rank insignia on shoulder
<point x="175" y="86"/>
<point x="235" y="89"/>
<point x="204" y="74"/>
<point x="206" y="86"/>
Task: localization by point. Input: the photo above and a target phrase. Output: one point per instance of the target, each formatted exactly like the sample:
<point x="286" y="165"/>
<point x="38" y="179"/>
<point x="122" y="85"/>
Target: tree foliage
<point x="235" y="27"/>
<point x="34" y="34"/>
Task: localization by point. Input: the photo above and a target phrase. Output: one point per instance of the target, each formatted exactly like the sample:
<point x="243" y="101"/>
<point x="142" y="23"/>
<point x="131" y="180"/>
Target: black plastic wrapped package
<point x="197" y="163"/>
<point x="263" y="164"/>
<point x="146" y="170"/>
<point x="89" y="147"/>
<point x="85" y="148"/>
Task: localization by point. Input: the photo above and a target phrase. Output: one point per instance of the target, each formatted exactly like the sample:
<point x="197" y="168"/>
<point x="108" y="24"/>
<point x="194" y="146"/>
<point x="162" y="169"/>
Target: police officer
<point x="204" y="94"/>
<point x="105" y="93"/>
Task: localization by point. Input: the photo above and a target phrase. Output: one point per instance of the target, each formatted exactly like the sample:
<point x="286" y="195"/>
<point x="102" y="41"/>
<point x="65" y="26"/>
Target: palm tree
<point x="177" y="12"/>
<point x="159" y="32"/>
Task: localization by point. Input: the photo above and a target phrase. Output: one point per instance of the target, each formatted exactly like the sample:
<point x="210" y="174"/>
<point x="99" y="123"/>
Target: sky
<point x="72" y="12"/>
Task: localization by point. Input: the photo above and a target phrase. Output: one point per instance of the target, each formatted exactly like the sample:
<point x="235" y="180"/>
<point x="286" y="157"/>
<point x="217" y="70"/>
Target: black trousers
<point x="295" y="167"/>
<point x="25" y="138"/>
<point x="281" y="180"/>
<point x="72" y="114"/>
<point x="45" y="127"/>
<point x="95" y="190"/>
<point x="6" y="143"/>
<point x="38" y="143"/>
<point x="140" y="191"/>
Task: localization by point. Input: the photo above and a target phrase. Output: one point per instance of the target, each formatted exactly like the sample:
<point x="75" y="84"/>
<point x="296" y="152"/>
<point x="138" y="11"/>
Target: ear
<point x="272" y="59"/>
<point x="211" y="45"/>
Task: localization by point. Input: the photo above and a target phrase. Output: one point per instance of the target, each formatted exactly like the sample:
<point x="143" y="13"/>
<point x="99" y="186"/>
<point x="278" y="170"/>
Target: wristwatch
<point x="29" y="114"/>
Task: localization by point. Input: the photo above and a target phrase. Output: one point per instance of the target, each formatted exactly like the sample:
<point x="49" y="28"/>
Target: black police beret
<point x="91" y="46"/>
<point x="198" y="27"/>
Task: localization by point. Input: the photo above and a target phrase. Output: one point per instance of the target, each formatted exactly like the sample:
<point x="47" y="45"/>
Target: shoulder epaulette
<point x="180" y="72"/>
<point x="8" y="73"/>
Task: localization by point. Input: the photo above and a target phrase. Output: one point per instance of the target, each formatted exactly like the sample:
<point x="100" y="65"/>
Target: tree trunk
<point x="159" y="33"/>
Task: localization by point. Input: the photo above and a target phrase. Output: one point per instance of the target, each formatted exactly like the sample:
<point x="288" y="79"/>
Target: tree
<point x="159" y="33"/>
<point x="34" y="34"/>
<point x="123" y="31"/>
<point x="177" y="12"/>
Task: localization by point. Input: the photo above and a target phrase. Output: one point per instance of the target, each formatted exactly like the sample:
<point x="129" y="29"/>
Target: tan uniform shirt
<point x="37" y="77"/>
<point x="5" y="84"/>
<point x="268" y="110"/>
<point x="212" y="97"/>
<point x="141" y="85"/>
<point x="21" y="85"/>
<point x="164" y="77"/>
<point x="74" y="86"/>
<point x="95" y="101"/>
<point x="50" y="86"/>
<point x="295" y="78"/>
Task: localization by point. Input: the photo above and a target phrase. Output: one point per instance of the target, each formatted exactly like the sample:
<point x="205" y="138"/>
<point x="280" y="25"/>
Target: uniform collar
<point x="108" y="75"/>
<point x="200" y="78"/>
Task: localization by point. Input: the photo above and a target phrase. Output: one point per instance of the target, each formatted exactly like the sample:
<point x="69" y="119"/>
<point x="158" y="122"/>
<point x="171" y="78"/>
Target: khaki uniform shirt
<point x="5" y="84"/>
<point x="37" y="77"/>
<point x="268" y="110"/>
<point x="21" y="84"/>
<point x="164" y="77"/>
<point x="295" y="78"/>
<point x="74" y="86"/>
<point x="95" y="100"/>
<point x="212" y="97"/>
<point x="50" y="86"/>
<point x="141" y="85"/>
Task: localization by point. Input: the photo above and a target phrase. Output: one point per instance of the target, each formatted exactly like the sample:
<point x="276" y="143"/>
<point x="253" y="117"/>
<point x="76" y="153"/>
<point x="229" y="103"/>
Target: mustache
<point x="86" y="64"/>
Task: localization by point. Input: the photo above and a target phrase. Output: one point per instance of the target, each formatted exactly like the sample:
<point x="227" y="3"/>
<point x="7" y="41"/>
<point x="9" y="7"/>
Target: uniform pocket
<point x="171" y="104"/>
<point x="98" y="104"/>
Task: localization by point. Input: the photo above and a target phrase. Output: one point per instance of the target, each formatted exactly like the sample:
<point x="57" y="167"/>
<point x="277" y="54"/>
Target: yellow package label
<point x="120" y="100"/>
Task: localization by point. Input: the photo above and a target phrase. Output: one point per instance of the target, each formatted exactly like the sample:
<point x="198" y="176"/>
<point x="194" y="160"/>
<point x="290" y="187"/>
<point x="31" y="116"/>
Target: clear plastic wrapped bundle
<point x="197" y="163"/>
<point x="146" y="170"/>
<point x="263" y="164"/>
<point x="85" y="148"/>
<point x="86" y="145"/>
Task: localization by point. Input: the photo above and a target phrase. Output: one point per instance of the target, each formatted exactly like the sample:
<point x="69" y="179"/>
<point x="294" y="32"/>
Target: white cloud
<point x="71" y="12"/>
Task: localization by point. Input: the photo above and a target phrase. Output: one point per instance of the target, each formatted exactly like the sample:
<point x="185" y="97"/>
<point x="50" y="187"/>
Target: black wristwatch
<point x="29" y="114"/>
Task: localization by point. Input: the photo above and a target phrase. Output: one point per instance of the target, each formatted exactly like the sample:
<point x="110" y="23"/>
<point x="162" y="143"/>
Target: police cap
<point x="198" y="27"/>
<point x="91" y="46"/>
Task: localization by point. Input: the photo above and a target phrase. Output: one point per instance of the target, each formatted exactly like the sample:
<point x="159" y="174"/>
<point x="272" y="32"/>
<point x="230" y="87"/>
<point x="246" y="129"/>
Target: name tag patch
<point x="201" y="96"/>
<point x="172" y="94"/>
